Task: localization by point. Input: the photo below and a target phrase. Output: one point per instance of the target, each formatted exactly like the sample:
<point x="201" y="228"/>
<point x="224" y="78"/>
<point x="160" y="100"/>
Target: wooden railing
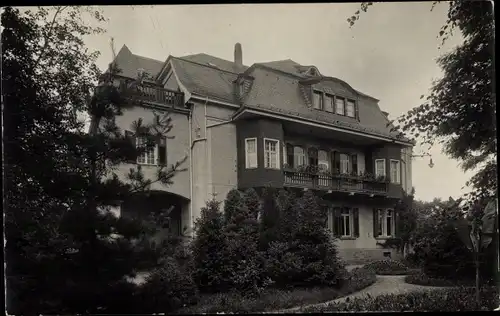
<point x="339" y="183"/>
<point x="161" y="95"/>
<point x="148" y="92"/>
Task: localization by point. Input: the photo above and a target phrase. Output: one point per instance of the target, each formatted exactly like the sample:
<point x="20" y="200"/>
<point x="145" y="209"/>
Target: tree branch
<point x="46" y="37"/>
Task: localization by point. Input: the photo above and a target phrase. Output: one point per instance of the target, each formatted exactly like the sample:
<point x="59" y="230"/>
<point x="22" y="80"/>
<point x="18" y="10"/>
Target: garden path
<point x="385" y="284"/>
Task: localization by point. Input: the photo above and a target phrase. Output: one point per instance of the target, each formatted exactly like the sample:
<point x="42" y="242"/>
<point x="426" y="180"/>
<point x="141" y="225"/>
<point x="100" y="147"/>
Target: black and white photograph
<point x="181" y="159"/>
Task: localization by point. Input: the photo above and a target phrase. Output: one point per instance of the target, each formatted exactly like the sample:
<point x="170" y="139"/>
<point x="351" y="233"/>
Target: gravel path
<point x="385" y="284"/>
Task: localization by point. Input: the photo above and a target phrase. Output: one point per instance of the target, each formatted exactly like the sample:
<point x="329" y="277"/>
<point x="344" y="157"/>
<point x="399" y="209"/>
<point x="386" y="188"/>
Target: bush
<point x="423" y="279"/>
<point x="166" y="289"/>
<point x="442" y="300"/>
<point x="388" y="267"/>
<point x="304" y="254"/>
<point x="358" y="279"/>
<point x="273" y="300"/>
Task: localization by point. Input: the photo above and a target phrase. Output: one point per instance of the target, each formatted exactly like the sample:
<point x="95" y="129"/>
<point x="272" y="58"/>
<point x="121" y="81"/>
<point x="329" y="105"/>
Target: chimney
<point x="238" y="55"/>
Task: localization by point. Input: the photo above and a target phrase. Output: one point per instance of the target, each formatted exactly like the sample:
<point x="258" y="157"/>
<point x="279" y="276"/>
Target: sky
<point x="390" y="53"/>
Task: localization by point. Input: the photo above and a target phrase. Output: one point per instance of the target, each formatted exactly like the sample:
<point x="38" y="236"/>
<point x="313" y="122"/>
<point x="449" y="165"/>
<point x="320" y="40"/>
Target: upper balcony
<point x="153" y="94"/>
<point x="311" y="177"/>
<point x="159" y="95"/>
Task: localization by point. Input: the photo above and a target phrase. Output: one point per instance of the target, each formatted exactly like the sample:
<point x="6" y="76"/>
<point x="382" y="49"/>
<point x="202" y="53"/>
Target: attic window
<point x="312" y="71"/>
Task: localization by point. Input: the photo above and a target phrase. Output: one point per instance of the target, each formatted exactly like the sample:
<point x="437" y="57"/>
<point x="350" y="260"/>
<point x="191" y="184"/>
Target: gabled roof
<point x="277" y="86"/>
<point x="129" y="63"/>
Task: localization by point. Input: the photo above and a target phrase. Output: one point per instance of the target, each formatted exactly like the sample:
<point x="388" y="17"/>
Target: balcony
<point x="309" y="178"/>
<point x="152" y="94"/>
<point x="159" y="95"/>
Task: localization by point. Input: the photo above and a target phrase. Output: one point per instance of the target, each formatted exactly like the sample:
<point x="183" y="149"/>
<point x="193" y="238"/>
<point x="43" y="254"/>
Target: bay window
<point x="251" y="153"/>
<point x="395" y="171"/>
<point x="271" y="154"/>
<point x="379" y="167"/>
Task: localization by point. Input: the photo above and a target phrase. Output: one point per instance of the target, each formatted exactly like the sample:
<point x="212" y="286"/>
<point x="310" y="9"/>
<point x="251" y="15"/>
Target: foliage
<point x="439" y="300"/>
<point x="252" y="202"/>
<point x="232" y="204"/>
<point x="245" y="261"/>
<point x="66" y="252"/>
<point x="166" y="289"/>
<point x="423" y="279"/>
<point x="270" y="219"/>
<point x="209" y="250"/>
<point x="463" y="99"/>
<point x="304" y="254"/>
<point x="387" y="267"/>
<point x="273" y="300"/>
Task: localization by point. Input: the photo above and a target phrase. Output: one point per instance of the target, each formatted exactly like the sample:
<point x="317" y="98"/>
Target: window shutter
<point x="162" y="149"/>
<point x="130" y="136"/>
<point x="336" y="222"/>
<point x="336" y="162"/>
<point x="356" y="222"/>
<point x="354" y="160"/>
<point x="375" y="222"/>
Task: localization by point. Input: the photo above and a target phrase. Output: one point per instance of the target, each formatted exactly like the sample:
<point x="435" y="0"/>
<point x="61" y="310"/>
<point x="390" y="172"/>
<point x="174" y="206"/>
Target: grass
<point x="422" y="279"/>
<point x="455" y="299"/>
<point x="279" y="299"/>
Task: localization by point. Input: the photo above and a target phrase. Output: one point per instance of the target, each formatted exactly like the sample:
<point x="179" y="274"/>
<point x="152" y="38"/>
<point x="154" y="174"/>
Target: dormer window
<point x="334" y="104"/>
<point x="349" y="108"/>
<point x="318" y="100"/>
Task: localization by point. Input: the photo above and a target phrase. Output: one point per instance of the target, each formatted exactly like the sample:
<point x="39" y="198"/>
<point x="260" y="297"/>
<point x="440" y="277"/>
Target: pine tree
<point x="252" y="202"/>
<point x="232" y="204"/>
<point x="210" y="250"/>
<point x="313" y="243"/>
<point x="242" y="238"/>
<point x="65" y="252"/>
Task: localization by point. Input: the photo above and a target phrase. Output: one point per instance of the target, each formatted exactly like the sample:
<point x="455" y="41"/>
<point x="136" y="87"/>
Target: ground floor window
<point x="345" y="222"/>
<point x="384" y="223"/>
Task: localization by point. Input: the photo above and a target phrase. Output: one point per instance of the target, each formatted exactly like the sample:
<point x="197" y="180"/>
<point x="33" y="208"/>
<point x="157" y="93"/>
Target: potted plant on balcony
<point x="381" y="179"/>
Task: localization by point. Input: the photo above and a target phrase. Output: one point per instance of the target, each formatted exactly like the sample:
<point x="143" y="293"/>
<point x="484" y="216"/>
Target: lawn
<point x="278" y="299"/>
<point x="437" y="300"/>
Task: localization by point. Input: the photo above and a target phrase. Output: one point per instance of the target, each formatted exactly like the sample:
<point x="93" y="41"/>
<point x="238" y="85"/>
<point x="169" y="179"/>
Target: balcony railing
<point x="161" y="95"/>
<point x="153" y="94"/>
<point x="312" y="179"/>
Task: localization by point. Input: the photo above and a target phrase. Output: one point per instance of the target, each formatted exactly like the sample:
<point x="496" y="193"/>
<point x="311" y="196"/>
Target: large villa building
<point x="278" y="124"/>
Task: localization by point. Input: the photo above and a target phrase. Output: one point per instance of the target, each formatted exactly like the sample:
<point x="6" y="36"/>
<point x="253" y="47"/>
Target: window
<point x="323" y="160"/>
<point x="395" y="171"/>
<point x="318" y="100"/>
<point x="329" y="103"/>
<point x="379" y="167"/>
<point x="313" y="156"/>
<point x="271" y="153"/>
<point x="345" y="223"/>
<point x="350" y="108"/>
<point x="149" y="156"/>
<point x="385" y="223"/>
<point x="251" y="153"/>
<point x="345" y="163"/>
<point x="339" y="106"/>
<point x="299" y="157"/>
